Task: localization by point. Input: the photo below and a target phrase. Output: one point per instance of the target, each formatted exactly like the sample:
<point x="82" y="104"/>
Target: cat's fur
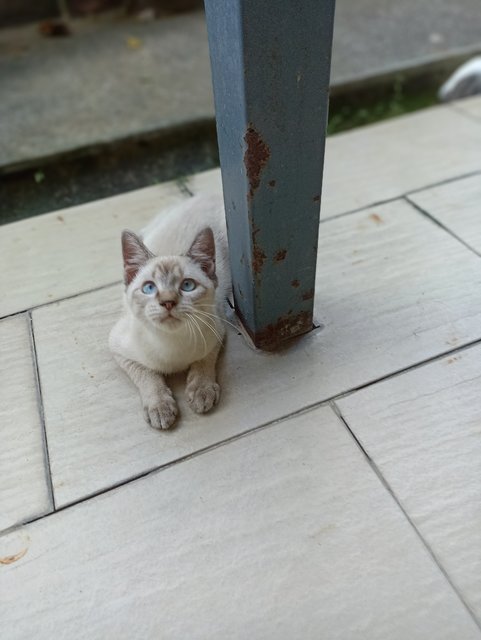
<point x="174" y="330"/>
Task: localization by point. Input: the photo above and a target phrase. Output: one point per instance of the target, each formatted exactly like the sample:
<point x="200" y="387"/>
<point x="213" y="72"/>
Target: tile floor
<point x="336" y="490"/>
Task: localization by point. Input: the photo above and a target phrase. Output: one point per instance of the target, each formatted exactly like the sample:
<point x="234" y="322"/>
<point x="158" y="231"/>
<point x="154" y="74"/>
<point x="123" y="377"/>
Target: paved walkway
<point x="334" y="493"/>
<point x="128" y="78"/>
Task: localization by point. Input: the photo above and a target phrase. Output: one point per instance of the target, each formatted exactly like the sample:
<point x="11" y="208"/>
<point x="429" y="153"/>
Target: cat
<point x="177" y="279"/>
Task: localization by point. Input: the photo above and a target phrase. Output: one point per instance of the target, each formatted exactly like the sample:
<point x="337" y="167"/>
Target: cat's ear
<point x="202" y="251"/>
<point x="135" y="255"/>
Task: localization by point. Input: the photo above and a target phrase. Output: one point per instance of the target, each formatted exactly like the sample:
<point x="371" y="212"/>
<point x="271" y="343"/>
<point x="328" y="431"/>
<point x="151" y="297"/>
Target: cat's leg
<point x="160" y="408"/>
<point x="202" y="390"/>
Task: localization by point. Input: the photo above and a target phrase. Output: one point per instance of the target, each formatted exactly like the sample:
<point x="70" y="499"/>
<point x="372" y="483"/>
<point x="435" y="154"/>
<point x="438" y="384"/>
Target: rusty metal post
<point x="270" y="66"/>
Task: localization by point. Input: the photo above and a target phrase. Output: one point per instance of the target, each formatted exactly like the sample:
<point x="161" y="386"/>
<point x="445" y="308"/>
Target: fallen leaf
<point x="376" y="218"/>
<point x="54" y="29"/>
<point x="12" y="559"/>
<point x="39" y="176"/>
<point x="134" y="43"/>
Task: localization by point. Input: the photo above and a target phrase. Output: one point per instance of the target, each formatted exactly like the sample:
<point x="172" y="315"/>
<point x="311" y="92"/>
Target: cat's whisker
<point x="211" y="327"/>
<point x="192" y="328"/>
<point x="213" y="315"/>
<point x="194" y="320"/>
<point x="192" y="334"/>
<point x="217" y="335"/>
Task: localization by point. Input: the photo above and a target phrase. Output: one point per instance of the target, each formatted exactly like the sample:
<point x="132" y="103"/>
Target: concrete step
<point x="121" y="78"/>
<point x="122" y="104"/>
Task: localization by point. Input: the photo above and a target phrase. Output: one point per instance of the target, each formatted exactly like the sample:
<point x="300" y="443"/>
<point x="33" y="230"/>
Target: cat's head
<point x="161" y="291"/>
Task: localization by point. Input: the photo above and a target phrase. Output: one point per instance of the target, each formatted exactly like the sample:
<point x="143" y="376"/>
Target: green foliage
<point x="395" y="103"/>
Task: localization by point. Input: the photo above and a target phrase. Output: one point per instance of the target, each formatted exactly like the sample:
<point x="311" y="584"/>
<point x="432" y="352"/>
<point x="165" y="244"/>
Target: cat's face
<point x="165" y="292"/>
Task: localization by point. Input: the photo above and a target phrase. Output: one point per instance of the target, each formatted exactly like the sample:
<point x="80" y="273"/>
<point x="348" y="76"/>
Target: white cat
<point x="177" y="279"/>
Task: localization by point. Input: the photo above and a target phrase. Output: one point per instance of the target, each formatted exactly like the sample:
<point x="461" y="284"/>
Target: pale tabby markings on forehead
<point x="168" y="267"/>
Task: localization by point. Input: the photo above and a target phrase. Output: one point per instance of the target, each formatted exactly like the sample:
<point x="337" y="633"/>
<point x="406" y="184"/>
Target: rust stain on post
<point x="276" y="334"/>
<point x="285" y="327"/>
<point x="256" y="157"/>
<point x="295" y="283"/>
<point x="280" y="255"/>
<point x="258" y="259"/>
<point x="308" y="295"/>
<point x="258" y="255"/>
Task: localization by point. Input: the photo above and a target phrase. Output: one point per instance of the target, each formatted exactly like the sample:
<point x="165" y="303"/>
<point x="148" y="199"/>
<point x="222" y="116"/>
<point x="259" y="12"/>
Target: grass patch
<point x="132" y="164"/>
<point x="357" y="110"/>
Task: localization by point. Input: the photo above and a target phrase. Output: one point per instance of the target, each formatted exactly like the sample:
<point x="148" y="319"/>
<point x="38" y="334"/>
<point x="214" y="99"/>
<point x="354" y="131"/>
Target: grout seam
<point x="457" y="108"/>
<point x="183" y="188"/>
<point x="41" y="411"/>
<point x="439" y="224"/>
<point x="441" y="183"/>
<point x="298" y="412"/>
<point x="400" y="196"/>
<point x="58" y="300"/>
<point x="400" y="506"/>
<point x="408" y="369"/>
<point x="158" y="469"/>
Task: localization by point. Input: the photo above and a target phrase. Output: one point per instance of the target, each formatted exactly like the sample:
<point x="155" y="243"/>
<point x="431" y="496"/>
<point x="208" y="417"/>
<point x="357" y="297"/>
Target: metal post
<point x="270" y="66"/>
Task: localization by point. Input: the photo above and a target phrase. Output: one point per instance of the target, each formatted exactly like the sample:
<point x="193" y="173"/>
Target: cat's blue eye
<point x="188" y="284"/>
<point x="149" y="288"/>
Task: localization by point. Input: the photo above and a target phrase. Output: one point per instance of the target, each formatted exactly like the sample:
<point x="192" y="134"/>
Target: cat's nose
<point x="168" y="304"/>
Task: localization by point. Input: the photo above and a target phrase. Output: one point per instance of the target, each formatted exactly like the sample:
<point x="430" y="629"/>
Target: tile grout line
<point x="158" y="469"/>
<point x="58" y="300"/>
<point x="400" y="196"/>
<point x="457" y="108"/>
<point x="41" y="411"/>
<point x="344" y="214"/>
<point x="335" y="408"/>
<point x="441" y="183"/>
<point x="216" y="445"/>
<point x="405" y="370"/>
<point x="439" y="224"/>
<point x="184" y="189"/>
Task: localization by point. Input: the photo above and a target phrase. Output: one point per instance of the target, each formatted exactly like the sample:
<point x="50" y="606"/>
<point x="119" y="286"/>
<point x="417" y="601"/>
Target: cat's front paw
<point x="161" y="412"/>
<point x="202" y="394"/>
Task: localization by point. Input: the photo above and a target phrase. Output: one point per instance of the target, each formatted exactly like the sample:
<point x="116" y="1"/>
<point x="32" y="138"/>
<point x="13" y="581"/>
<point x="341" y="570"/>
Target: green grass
<point x="132" y="165"/>
<point x="395" y="103"/>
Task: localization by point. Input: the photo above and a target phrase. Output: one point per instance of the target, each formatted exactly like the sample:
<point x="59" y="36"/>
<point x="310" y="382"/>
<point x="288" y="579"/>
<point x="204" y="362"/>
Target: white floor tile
<point x="393" y="289"/>
<point x="457" y="205"/>
<point x="23" y="477"/>
<point x="384" y="161"/>
<point x="391" y="158"/>
<point x="423" y="431"/>
<point x="272" y="536"/>
<point x="63" y="253"/>
<point x="469" y="106"/>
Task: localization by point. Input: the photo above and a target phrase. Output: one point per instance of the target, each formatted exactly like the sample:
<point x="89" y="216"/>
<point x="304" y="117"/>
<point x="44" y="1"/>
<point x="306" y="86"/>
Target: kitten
<point x="177" y="279"/>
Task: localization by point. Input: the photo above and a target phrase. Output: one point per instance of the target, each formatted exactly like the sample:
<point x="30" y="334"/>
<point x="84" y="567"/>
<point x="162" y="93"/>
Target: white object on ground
<point x="464" y="82"/>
